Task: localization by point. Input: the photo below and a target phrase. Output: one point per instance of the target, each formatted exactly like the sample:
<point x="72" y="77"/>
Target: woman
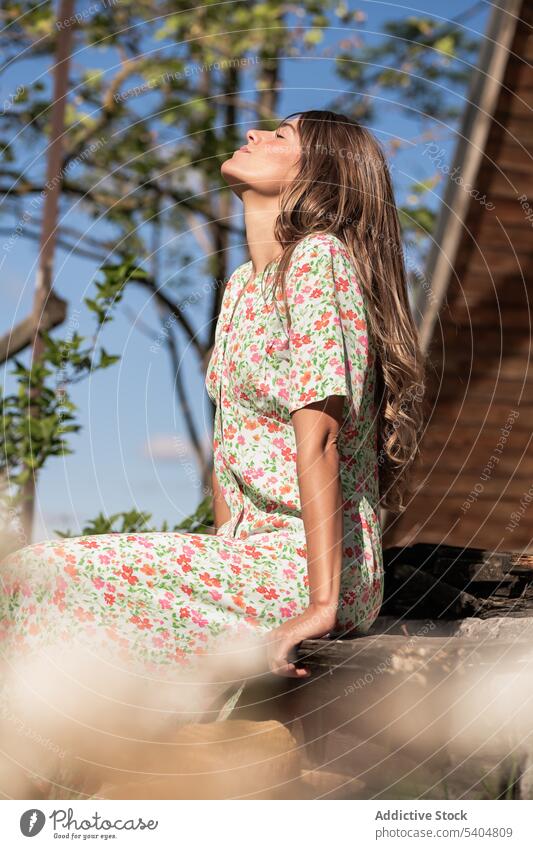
<point x="315" y="381"/>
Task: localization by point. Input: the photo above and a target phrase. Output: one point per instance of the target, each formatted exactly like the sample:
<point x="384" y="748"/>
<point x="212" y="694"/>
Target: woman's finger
<point x="288" y="670"/>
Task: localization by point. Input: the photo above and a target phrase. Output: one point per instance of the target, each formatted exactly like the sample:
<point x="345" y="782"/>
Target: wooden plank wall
<point x="475" y="475"/>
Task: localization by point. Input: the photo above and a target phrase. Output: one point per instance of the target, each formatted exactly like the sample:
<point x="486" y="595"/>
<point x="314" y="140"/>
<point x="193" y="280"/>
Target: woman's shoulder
<point x="319" y="245"/>
<point x="316" y="252"/>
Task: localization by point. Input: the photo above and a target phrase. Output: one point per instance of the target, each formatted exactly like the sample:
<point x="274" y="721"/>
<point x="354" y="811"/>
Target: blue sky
<point x="132" y="450"/>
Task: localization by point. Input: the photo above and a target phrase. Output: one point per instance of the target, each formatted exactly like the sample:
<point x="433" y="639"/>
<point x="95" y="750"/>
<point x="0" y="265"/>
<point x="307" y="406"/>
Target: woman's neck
<point x="260" y="215"/>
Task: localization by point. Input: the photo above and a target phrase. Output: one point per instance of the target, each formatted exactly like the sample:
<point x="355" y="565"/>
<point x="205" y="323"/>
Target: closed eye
<point x="279" y="136"/>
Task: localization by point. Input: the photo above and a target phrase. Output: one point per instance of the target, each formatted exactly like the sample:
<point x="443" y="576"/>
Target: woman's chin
<point x="235" y="181"/>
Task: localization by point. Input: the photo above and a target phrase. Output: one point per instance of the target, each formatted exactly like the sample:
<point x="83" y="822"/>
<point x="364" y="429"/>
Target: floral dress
<point x="163" y="596"/>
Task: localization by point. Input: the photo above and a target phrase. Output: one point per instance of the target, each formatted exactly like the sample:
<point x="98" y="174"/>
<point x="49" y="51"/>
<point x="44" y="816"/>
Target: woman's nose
<point x="252" y="135"/>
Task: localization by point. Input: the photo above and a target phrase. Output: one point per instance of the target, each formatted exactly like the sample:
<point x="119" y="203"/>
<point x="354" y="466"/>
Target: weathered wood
<point x="469" y="486"/>
<point x="491" y="283"/>
<point x="380" y="708"/>
<point x="436" y="581"/>
<point x="482" y="339"/>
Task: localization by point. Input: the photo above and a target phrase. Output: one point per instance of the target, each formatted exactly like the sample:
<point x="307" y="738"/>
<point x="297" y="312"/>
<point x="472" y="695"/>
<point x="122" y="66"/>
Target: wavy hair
<point x="343" y="186"/>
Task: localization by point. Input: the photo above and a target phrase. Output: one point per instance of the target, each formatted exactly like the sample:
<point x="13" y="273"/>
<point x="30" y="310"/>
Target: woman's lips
<point x="243" y="150"/>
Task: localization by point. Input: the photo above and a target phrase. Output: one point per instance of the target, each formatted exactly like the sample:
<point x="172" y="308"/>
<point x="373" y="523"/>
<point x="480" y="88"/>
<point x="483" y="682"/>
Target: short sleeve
<point x="320" y="289"/>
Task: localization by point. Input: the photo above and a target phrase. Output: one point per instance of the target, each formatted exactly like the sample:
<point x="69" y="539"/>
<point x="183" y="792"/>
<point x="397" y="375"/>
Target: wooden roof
<point x="475" y="474"/>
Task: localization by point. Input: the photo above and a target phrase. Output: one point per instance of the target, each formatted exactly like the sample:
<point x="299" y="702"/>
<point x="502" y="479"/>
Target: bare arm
<point x="317" y="462"/>
<point x="316" y="427"/>
<point x="221" y="510"/>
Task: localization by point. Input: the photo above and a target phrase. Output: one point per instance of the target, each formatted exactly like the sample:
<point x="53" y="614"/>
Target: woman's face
<point x="267" y="163"/>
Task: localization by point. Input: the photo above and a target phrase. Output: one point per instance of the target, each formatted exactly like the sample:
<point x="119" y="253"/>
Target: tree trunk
<point x="43" y="285"/>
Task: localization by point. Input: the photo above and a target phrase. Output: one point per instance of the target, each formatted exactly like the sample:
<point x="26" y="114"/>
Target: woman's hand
<point x="315" y="621"/>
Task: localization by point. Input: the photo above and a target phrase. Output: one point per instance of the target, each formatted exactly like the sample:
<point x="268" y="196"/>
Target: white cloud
<point x="171" y="446"/>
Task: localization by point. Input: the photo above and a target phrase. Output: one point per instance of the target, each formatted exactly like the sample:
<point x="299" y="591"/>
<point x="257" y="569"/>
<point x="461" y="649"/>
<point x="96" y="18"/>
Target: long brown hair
<point x="343" y="187"/>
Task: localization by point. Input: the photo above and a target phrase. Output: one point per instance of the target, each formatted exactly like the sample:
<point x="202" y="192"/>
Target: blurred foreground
<point x="389" y="715"/>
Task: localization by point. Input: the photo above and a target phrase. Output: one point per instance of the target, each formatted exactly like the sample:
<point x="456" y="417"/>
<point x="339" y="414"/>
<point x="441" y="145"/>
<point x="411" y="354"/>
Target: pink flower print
<point x="168" y="594"/>
<point x="285" y="612"/>
<point x="58" y="599"/>
<point x="98" y="583"/>
<point x="83" y="615"/>
<point x="143" y="624"/>
<point x="268" y="592"/>
<point x="215" y="595"/>
<point x="104" y="558"/>
<point x="109" y="599"/>
<point x="165" y="603"/>
<point x="61" y="584"/>
<point x="127" y="574"/>
<point x="200" y="620"/>
<point x="209" y="579"/>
